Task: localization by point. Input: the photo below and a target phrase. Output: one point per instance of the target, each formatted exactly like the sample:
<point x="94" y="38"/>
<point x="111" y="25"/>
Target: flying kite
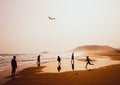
<point x="51" y="18"/>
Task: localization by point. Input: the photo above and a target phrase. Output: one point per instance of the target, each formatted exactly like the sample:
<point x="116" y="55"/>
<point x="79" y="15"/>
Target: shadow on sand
<point x="25" y="74"/>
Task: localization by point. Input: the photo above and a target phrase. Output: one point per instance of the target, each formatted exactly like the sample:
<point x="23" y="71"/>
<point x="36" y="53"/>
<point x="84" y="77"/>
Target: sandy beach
<point x="59" y="42"/>
<point x="48" y="74"/>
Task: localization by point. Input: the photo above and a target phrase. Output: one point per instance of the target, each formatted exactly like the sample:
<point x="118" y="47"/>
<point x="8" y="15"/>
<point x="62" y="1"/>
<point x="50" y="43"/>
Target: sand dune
<point x="96" y="49"/>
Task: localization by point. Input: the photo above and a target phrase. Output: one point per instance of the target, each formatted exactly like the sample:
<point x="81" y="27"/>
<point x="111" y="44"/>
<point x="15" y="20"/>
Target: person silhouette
<point x="38" y="60"/>
<point x="59" y="60"/>
<point x="72" y="58"/>
<point x="59" y="68"/>
<point x="88" y="61"/>
<point x="14" y="66"/>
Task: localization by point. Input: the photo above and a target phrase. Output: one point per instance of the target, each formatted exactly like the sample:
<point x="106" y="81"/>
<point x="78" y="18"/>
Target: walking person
<point x="72" y="58"/>
<point x="59" y="60"/>
<point x="14" y="66"/>
<point x="38" y="60"/>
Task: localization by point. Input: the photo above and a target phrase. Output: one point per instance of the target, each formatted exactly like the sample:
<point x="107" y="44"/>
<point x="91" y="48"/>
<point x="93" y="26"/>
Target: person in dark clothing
<point x="38" y="60"/>
<point x="59" y="60"/>
<point x="88" y="61"/>
<point x="72" y="58"/>
<point x="14" y="66"/>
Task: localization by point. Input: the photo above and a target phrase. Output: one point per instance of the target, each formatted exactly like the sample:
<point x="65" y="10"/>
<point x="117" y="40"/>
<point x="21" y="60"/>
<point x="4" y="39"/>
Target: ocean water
<point x="22" y="59"/>
<point x="28" y="59"/>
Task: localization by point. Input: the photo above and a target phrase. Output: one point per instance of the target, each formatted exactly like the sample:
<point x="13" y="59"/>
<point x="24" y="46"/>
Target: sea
<point x="28" y="59"/>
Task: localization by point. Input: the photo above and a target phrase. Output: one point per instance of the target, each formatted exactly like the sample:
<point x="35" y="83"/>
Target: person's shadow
<point x="59" y="67"/>
<point x="73" y="67"/>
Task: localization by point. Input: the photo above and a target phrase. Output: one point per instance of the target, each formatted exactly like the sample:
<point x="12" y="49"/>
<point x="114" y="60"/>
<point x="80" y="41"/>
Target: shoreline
<point x="47" y="69"/>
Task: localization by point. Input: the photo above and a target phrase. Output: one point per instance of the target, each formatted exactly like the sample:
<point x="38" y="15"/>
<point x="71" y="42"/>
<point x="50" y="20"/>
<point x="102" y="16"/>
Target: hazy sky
<point x="25" y="27"/>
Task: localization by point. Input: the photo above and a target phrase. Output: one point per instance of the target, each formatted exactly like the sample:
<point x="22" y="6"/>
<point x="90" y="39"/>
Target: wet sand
<point x="4" y="74"/>
<point x="47" y="75"/>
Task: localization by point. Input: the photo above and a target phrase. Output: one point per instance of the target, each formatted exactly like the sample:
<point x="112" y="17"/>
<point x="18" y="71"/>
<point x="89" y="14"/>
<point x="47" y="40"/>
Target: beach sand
<point x="47" y="75"/>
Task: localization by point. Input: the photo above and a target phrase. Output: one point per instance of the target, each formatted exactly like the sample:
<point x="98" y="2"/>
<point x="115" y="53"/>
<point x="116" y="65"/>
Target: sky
<point x="25" y="27"/>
